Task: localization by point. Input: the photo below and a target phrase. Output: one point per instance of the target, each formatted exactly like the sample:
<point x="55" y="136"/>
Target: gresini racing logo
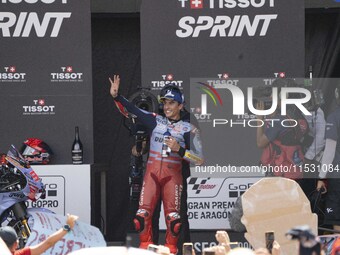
<point x="39" y="107"/>
<point x="11" y="74"/>
<point x="67" y="74"/>
<point x="167" y="79"/>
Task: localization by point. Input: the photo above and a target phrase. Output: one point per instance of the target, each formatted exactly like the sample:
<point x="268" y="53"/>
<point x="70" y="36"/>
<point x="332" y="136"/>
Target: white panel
<point x="68" y="190"/>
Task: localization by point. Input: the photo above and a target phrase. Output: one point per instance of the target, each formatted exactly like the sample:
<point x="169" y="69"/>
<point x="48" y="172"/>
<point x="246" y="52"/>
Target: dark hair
<point x="9" y="235"/>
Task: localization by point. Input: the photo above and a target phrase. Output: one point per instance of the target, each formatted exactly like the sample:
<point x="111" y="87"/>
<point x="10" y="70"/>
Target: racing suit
<point x="163" y="177"/>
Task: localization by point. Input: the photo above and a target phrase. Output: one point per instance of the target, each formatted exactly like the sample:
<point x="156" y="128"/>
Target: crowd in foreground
<point x="306" y="245"/>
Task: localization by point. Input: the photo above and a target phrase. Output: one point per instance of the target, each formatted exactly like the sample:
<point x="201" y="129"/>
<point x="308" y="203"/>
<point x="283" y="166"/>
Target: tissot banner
<point x="220" y="38"/>
<point x="184" y="40"/>
<point x="45" y="74"/>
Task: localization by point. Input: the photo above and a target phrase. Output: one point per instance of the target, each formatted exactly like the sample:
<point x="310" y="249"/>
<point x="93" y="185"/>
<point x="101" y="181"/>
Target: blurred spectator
<point x="9" y="236"/>
<point x="330" y="166"/>
<point x="3" y="248"/>
<point x="313" y="146"/>
<point x="241" y="251"/>
<point x="223" y="240"/>
<point x="281" y="144"/>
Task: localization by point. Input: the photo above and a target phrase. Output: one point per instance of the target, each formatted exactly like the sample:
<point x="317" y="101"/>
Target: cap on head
<point x="172" y="93"/>
<point x="9" y="235"/>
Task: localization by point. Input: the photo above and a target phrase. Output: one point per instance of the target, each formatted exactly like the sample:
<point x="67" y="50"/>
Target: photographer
<point x="163" y="176"/>
<point x="281" y="145"/>
<point x="309" y="244"/>
<point x="330" y="166"/>
<point x="313" y="144"/>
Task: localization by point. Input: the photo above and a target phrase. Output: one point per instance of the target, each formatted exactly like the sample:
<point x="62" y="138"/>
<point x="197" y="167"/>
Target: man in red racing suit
<point x="163" y="176"/>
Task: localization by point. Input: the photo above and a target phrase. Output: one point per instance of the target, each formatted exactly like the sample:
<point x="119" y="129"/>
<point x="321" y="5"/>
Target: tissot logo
<point x="67" y="74"/>
<point x="196" y="4"/>
<point x="280" y="75"/>
<point x="11" y="74"/>
<point x="227" y="4"/>
<point x="167" y="79"/>
<point x="269" y="81"/>
<point x="39" y="107"/>
<point x="223" y="76"/>
<point x="223" y="25"/>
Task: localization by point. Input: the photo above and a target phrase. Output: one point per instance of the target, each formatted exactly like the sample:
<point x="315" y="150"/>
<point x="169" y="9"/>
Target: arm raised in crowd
<point x="55" y="237"/>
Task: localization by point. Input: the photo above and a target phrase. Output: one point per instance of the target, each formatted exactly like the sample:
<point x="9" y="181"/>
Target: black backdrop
<point x="116" y="49"/>
<point x="44" y="59"/>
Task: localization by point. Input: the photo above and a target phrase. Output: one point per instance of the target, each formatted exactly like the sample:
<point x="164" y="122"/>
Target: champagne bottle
<point x="77" y="149"/>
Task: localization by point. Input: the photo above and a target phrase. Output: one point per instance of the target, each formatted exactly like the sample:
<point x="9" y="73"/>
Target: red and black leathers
<point x="163" y="176"/>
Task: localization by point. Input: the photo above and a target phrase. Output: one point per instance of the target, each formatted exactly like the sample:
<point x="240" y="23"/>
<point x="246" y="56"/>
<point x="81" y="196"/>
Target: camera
<point x="262" y="94"/>
<point x="269" y="236"/>
<point x="187" y="248"/>
<point x="317" y="100"/>
<point x="309" y="244"/>
<point x="144" y="100"/>
<point x="300" y="233"/>
<point x="152" y="247"/>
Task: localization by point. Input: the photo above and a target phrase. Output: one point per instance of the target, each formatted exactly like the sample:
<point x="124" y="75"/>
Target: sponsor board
<point x="226" y="25"/>
<point x="29" y="24"/>
<point x="64" y="185"/>
<point x="205" y="37"/>
<point x="50" y="76"/>
<point x="55" y="195"/>
<point x="211" y="200"/>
